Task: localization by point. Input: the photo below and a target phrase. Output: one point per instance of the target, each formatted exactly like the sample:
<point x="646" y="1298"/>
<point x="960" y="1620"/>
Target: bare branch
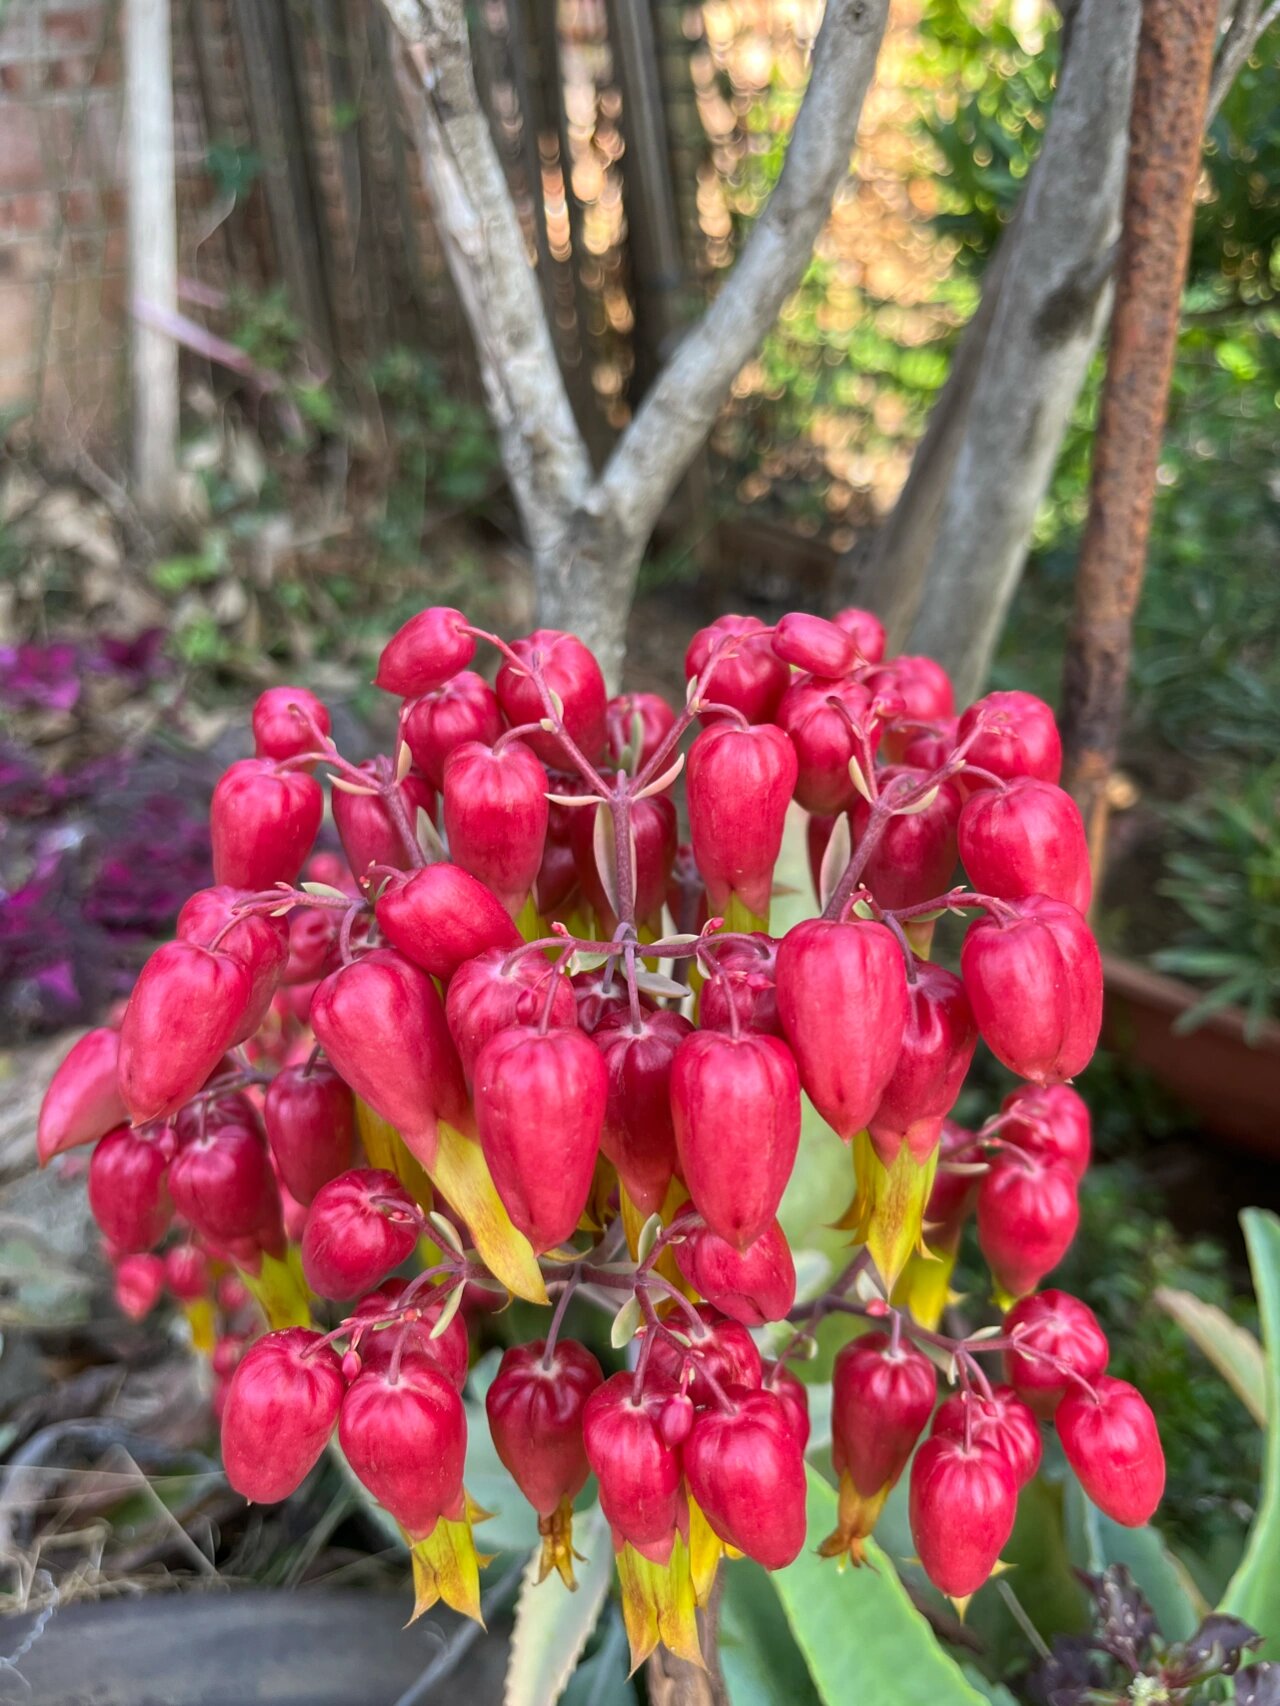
<point x="1248" y="24"/>
<point x="681" y="408"/>
<point x="545" y="458"/>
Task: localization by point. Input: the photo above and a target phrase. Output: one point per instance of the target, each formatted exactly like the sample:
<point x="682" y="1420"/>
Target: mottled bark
<point x="1175" y="58"/>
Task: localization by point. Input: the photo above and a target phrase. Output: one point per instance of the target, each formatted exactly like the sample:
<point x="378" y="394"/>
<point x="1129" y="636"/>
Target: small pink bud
<point x="263" y="822"/>
<point x="1028" y="1211"/>
<point x="186" y="1272"/>
<point x="278" y="730"/>
<point x="535" y="1410"/>
<point x="753" y="1286"/>
<point x="937" y="1046"/>
<point x="430" y="648"/>
<point x="280" y="1409"/>
<point x="573" y="675"/>
<point x="717" y="1346"/>
<point x="1053" y="1122"/>
<point x="832" y="977"/>
<point x="814" y="644"/>
<point x="127" y="1193"/>
<point x="962" y="1506"/>
<point x="186" y="1008"/>
<point x="540" y="1104"/>
<point x="359" y="1227"/>
<point x="440" y="916"/>
<point x="449" y="1351"/>
<point x="223" y="1184"/>
<point x="744" y="980"/>
<point x="1026" y="838"/>
<point x="738" y="785"/>
<point x="881" y="1398"/>
<point x="823" y="740"/>
<point x="83" y="1101"/>
<point x="1112" y="1442"/>
<point x="406" y="1441"/>
<point x="736" y="1102"/>
<point x="364" y="823"/>
<point x="1002" y="1421"/>
<point x="495" y="816"/>
<point x="639" y="1131"/>
<point x="138" y="1284"/>
<point x="310" y="1118"/>
<point x="638" y="1472"/>
<point x="1034" y="978"/>
<point x="1019" y="738"/>
<point x="1056" y="1336"/>
<point x="747" y="675"/>
<point x="648" y="712"/>
<point x="463" y="709"/>
<point x="488" y="995"/>
<point x="865" y="630"/>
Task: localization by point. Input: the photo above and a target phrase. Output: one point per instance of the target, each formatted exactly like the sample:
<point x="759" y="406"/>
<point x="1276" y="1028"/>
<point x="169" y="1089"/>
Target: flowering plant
<point x="525" y="1039"/>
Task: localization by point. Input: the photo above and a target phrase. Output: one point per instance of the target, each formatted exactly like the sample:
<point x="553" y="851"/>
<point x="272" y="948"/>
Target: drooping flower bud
<point x="792" y="1393"/>
<point x="425" y="653"/>
<point x="1034" y="978"/>
<point x="139" y="1282"/>
<point x="359" y="1226"/>
<point x="493" y="993"/>
<point x="573" y="675"/>
<point x="495" y="816"/>
<point x="1112" y="1442"/>
<point x="638" y="1472"/>
<point x="746" y="1472"/>
<point x="1019" y="738"/>
<point x="638" y="723"/>
<point x="738" y="785"/>
<point x="865" y="630"/>
<point x="812" y="643"/>
<point x="440" y="916"/>
<point x="223" y="1184"/>
<point x="838" y="982"/>
<point x="186" y="1272"/>
<point x="280" y="1410"/>
<point x="406" y="1440"/>
<point x="600" y="994"/>
<point x="540" y="1102"/>
<point x="963" y="1502"/>
<point x="83" y="1101"/>
<point x="719" y="1348"/>
<point x="736" y="1102"/>
<point x="823" y="740"/>
<point x="313" y="945"/>
<point x="1028" y="1211"/>
<point x="127" y="1194"/>
<point x="914" y="859"/>
<point x="535" y="1406"/>
<point x="259" y="942"/>
<point x="383" y="1028"/>
<point x="638" y="1134"/>
<point x="463" y="709"/>
<point x="744" y="980"/>
<point x="279" y="731"/>
<point x="186" y="1008"/>
<point x="448" y="1351"/>
<point x="1001" y="1421"/>
<point x="263" y="822"/>
<point x="747" y="675"/>
<point x="1056" y="1336"/>
<point x="753" y="1286"/>
<point x="1053" y="1122"/>
<point x="922" y="685"/>
<point x="881" y="1398"/>
<point x="310" y="1118"/>
<point x="1026" y="838"/>
<point x="937" y="1046"/>
<point x="366" y="828"/>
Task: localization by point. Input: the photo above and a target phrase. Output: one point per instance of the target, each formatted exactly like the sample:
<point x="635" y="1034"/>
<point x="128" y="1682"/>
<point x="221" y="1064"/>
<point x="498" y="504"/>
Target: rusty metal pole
<point x="1171" y="89"/>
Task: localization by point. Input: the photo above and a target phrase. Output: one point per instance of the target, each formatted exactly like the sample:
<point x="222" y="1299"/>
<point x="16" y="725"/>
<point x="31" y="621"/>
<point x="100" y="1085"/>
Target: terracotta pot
<point x="1231" y="1083"/>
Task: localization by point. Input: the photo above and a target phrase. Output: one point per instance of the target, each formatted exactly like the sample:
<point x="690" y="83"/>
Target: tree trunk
<point x="153" y="252"/>
<point x="1175" y="55"/>
<point x="1046" y="323"/>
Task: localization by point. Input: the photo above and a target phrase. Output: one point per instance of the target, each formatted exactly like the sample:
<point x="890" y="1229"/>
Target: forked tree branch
<point x="587" y="537"/>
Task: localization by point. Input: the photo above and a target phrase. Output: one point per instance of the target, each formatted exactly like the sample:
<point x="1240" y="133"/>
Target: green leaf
<point x="1254" y="1591"/>
<point x="1097" y="1542"/>
<point x="761" y="1663"/>
<point x="1232" y="1349"/>
<point x="858" y="1630"/>
<point x="552" y="1624"/>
